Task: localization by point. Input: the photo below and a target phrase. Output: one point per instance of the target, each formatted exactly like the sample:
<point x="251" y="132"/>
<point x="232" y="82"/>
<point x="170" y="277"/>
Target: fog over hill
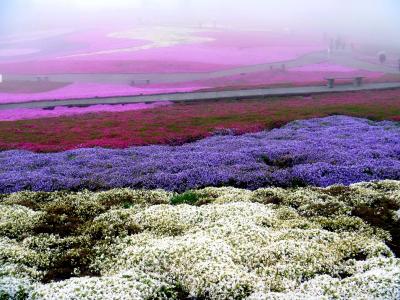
<point x="368" y="19"/>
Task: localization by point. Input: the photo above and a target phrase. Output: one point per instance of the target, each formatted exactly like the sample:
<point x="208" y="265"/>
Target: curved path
<point x="198" y="96"/>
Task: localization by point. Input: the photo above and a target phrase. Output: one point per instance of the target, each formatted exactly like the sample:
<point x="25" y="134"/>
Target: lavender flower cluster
<point x="319" y="152"/>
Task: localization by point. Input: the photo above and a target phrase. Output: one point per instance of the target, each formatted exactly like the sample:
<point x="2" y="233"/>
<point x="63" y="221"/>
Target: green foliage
<point x="185" y="198"/>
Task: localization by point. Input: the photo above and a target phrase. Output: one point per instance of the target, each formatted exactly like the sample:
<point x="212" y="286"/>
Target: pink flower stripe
<point x="28" y="114"/>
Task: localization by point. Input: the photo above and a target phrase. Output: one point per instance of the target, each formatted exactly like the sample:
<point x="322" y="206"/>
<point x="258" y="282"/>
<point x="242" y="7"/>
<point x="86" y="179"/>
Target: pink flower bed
<point x="28" y="114"/>
<point x="92" y="90"/>
<point x="229" y="47"/>
<point x="187" y="58"/>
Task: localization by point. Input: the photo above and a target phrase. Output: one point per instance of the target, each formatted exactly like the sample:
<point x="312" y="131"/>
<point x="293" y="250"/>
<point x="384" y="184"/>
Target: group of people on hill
<point x="382" y="59"/>
<point x="337" y="44"/>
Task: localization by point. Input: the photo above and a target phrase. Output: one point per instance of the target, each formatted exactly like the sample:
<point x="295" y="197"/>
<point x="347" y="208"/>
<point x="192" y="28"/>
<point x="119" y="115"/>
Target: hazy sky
<point x="370" y="18"/>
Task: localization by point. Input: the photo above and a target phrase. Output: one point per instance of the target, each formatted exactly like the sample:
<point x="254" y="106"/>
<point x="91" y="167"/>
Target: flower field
<point x="154" y="49"/>
<point x="182" y="122"/>
<point x="308" y="210"/>
<point x="285" y="198"/>
<point x="213" y="243"/>
<point x="318" y="152"/>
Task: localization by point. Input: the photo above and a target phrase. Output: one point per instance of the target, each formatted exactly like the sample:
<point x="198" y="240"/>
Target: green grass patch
<point x="189" y="197"/>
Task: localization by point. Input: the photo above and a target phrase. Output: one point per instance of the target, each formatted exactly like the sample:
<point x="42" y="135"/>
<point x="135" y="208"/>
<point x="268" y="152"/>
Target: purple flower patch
<point x="319" y="152"/>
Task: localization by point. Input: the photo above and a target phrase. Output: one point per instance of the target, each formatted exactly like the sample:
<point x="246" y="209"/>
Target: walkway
<point x="198" y="96"/>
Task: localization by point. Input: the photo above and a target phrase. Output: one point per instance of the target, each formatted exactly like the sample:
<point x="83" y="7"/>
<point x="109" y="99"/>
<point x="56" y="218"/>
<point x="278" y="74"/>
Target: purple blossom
<point x="320" y="152"/>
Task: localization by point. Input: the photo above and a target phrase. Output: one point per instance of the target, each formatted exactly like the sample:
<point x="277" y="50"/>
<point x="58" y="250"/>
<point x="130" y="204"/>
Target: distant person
<point x="382" y="57"/>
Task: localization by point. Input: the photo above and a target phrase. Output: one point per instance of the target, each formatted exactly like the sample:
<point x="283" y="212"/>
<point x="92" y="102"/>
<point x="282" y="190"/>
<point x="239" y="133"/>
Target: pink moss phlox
<point x="35" y="113"/>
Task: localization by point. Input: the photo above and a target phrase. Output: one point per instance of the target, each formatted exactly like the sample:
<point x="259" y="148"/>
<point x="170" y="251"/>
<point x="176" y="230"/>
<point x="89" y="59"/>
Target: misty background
<point x="370" y="20"/>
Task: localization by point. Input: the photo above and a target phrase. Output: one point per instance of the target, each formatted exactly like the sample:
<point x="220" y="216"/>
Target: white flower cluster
<point x="267" y="244"/>
<point x="15" y="287"/>
<point x="380" y="280"/>
<point x="16" y="220"/>
<point x="229" y="250"/>
<point x="131" y="284"/>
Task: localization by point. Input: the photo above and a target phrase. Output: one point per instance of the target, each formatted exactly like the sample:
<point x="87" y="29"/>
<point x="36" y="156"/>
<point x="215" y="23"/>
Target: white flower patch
<point x="369" y="191"/>
<point x="16" y="220"/>
<point x="203" y="265"/>
<point x="377" y="283"/>
<point x="273" y="243"/>
<point x="13" y="270"/>
<point x="15" y="288"/>
<point x="12" y="252"/>
<point x="380" y="281"/>
<point x="225" y="245"/>
<point x="167" y="219"/>
<point x="127" y="285"/>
